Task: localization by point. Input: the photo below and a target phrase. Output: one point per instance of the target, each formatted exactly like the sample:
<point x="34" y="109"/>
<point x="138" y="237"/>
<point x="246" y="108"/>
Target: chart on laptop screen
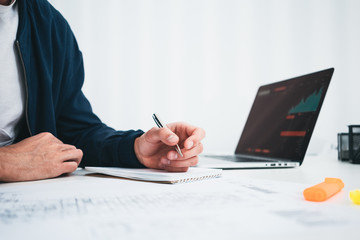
<point x="283" y="117"/>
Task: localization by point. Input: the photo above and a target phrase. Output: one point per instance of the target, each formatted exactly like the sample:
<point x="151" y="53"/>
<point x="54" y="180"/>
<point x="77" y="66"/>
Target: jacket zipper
<point x="26" y="88"/>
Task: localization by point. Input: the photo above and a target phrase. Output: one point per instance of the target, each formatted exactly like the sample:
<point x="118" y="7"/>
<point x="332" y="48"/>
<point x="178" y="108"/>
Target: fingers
<point x="67" y="161"/>
<point x="66" y="147"/>
<point x="196" y="136"/>
<point x="176" y="169"/>
<point x="164" y="135"/>
<point x="192" y="147"/>
<point x="71" y="159"/>
<point x="174" y="162"/>
<point x="196" y="150"/>
<point x="166" y="163"/>
<point x="191" y="135"/>
<point x="70" y="166"/>
<point x="71" y="155"/>
<point x="154" y="148"/>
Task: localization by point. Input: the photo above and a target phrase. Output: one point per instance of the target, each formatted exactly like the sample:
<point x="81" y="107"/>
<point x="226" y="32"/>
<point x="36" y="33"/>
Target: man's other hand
<point x="155" y="148"/>
<point x="38" y="157"/>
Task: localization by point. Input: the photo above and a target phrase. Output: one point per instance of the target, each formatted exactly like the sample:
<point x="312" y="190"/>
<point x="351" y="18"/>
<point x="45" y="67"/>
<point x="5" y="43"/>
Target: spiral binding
<point x="193" y="179"/>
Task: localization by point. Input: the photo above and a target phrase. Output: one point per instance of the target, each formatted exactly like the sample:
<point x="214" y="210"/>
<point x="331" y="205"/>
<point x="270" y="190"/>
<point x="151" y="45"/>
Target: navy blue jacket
<point x="53" y="76"/>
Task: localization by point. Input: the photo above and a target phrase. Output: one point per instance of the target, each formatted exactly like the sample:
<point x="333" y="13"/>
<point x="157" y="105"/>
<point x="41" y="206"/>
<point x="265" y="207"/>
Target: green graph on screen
<point x="310" y="104"/>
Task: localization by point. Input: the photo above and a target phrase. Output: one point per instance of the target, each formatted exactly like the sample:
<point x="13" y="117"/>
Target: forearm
<point x="4" y="155"/>
<point x="10" y="163"/>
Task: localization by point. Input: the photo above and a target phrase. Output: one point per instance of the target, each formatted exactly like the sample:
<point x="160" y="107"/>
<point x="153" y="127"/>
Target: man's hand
<point x="155" y="148"/>
<point x="38" y="157"/>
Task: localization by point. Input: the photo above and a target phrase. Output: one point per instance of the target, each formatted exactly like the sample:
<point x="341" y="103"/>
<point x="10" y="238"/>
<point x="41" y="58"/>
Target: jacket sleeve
<point x="79" y="126"/>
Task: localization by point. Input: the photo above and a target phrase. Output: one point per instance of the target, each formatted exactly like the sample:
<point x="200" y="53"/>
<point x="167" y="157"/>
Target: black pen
<point x="160" y="125"/>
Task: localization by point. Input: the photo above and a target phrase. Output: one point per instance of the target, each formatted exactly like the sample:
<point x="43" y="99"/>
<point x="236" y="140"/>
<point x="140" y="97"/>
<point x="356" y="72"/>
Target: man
<point x="45" y="119"/>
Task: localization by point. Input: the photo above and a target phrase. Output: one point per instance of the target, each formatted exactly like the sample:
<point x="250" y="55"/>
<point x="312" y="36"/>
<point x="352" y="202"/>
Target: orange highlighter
<point x="324" y="190"/>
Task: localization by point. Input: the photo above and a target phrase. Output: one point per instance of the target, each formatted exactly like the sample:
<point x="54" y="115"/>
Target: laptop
<point x="279" y="126"/>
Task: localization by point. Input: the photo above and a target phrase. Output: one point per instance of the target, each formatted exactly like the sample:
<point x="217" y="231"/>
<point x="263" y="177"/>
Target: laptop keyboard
<point x="235" y="158"/>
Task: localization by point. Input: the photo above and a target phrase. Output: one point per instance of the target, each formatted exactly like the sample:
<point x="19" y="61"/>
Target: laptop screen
<point x="283" y="117"/>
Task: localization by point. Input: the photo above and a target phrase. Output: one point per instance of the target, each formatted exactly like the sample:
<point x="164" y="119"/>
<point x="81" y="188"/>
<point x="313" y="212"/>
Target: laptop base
<point x="216" y="161"/>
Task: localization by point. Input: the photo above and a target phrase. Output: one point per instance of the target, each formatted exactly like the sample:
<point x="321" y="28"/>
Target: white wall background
<point x="201" y="61"/>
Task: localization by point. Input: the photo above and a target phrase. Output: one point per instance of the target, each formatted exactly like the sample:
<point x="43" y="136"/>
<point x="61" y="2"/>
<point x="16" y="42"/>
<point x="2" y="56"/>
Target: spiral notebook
<point x="159" y="176"/>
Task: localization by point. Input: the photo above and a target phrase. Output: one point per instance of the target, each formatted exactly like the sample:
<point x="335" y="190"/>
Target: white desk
<point x="250" y="204"/>
<point x="313" y="170"/>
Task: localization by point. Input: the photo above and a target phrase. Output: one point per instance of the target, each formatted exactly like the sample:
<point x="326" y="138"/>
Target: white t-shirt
<point x="11" y="85"/>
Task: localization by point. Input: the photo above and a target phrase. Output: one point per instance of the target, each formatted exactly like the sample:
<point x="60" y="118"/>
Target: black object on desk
<point x="354" y="144"/>
<point x="349" y="145"/>
<point x="343" y="146"/>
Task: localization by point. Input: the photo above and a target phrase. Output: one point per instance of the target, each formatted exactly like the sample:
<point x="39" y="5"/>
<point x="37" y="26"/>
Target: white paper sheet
<point x="155" y="175"/>
<point x="83" y="207"/>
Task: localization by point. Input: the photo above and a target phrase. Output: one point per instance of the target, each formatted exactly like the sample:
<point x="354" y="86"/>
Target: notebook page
<point x="193" y="174"/>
